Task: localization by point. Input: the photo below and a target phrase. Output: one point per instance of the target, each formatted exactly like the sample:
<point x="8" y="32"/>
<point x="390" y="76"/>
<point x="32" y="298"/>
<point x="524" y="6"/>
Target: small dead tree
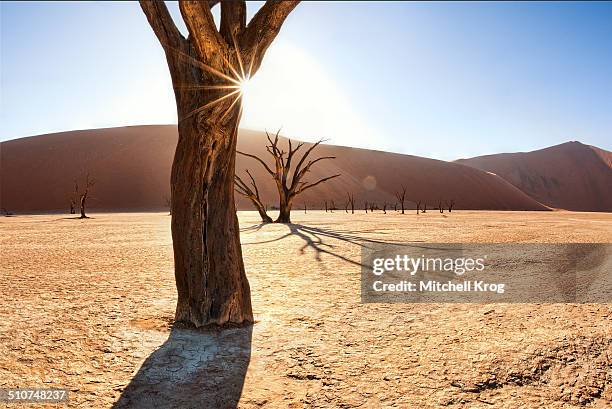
<point x="385" y="208"/>
<point x="395" y="207"/>
<point x="418" y="206"/>
<point x="424" y="207"/>
<point x="89" y="183"/>
<point x="304" y="207"/>
<point x="366" y="207"/>
<point x="253" y="195"/>
<point x="75" y="198"/>
<point x="289" y="187"/>
<point x="440" y="206"/>
<point x="350" y="201"/>
<point x="332" y="207"/>
<point x="451" y="205"/>
<point x="401" y="197"/>
<point x="373" y="207"/>
<point x="326" y="206"/>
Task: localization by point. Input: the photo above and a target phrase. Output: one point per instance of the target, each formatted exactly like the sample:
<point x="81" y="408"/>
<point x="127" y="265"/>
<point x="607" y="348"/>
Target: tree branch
<point x="308" y="186"/>
<point x="233" y="20"/>
<point x="270" y="171"/>
<point x="297" y="176"/>
<point x="308" y="151"/>
<point x="161" y="22"/>
<point x="201" y="26"/>
<point x="263" y="29"/>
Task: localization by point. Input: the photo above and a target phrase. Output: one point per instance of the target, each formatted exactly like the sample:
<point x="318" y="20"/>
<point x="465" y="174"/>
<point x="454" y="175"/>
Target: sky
<point x="442" y="80"/>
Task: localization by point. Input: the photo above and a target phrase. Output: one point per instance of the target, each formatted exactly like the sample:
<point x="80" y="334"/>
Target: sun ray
<point x="251" y="62"/>
<point x="231" y="106"/>
<point x="202" y="108"/>
<point x="200" y="64"/>
<point x="231" y="67"/>
<point x="243" y="77"/>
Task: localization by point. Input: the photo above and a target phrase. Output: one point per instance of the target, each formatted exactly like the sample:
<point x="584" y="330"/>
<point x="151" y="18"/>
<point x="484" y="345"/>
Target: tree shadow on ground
<point x="192" y="369"/>
<point x="313" y="238"/>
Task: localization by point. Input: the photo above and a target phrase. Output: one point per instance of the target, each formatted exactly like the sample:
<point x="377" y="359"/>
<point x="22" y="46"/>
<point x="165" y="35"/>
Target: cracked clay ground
<point x="88" y="305"/>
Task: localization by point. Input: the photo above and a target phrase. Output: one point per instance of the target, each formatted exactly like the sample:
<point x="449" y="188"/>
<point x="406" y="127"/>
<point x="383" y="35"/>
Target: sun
<point x="244" y="86"/>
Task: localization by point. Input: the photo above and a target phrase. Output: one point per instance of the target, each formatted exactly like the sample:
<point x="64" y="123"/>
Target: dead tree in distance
<point x="207" y="69"/>
<point x="366" y="207"/>
<point x="290" y="187"/>
<point x="418" y="206"/>
<point x="351" y="201"/>
<point x="75" y="197"/>
<point x="326" y="206"/>
<point x="89" y="183"/>
<point x="451" y="205"/>
<point x="253" y="195"/>
<point x="401" y="197"/>
<point x="440" y="206"/>
<point x="385" y="208"/>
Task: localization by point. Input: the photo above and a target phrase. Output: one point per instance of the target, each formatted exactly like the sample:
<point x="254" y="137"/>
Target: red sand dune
<point x="132" y="168"/>
<point x="570" y="176"/>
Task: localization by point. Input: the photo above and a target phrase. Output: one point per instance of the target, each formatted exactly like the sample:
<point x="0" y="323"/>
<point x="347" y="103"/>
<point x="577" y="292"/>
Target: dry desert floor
<point x="88" y="305"/>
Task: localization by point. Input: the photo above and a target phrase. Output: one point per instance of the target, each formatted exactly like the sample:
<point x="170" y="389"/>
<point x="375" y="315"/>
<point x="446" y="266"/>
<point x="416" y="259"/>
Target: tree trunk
<point x="209" y="271"/>
<point x="210" y="277"/>
<point x="83" y="201"/>
<point x="284" y="214"/>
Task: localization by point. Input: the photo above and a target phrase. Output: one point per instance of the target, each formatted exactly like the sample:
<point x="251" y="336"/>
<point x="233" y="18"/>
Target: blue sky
<point x="443" y="80"/>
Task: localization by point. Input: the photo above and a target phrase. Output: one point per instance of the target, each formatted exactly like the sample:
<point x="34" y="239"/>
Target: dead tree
<point x="89" y="183"/>
<point x="385" y="208"/>
<point x="207" y="69"/>
<point x="395" y="207"/>
<point x="373" y="207"/>
<point x="366" y="207"/>
<point x="451" y="205"/>
<point x="74" y="198"/>
<point x="290" y="187"/>
<point x="326" y="206"/>
<point x="351" y="201"/>
<point x="332" y="207"/>
<point x="424" y="207"/>
<point x="304" y="207"/>
<point x="440" y="206"/>
<point x="418" y="206"/>
<point x="253" y="195"/>
<point x="401" y="197"/>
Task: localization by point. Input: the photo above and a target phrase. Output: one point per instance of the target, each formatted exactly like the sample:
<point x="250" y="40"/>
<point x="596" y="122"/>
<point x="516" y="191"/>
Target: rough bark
<point x="206" y="71"/>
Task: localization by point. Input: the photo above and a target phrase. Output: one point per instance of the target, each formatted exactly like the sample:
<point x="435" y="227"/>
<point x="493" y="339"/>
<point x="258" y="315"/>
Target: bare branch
<point x="308" y="151"/>
<point x="308" y="186"/>
<point x="233" y="20"/>
<point x="201" y="26"/>
<point x="161" y="22"/>
<point x="270" y="171"/>
<point x="263" y="29"/>
<point x="300" y="174"/>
